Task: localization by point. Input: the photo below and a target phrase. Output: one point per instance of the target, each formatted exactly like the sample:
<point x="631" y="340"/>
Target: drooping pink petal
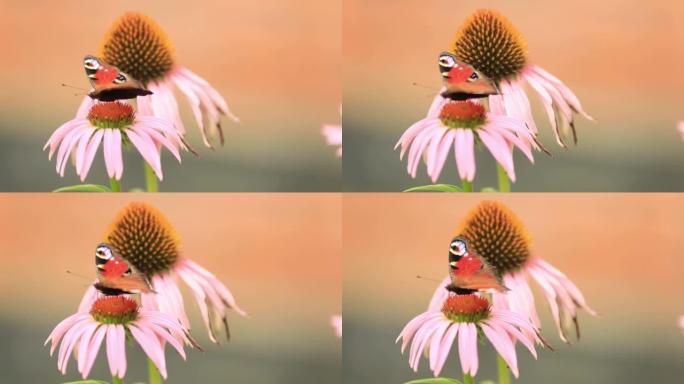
<point x="148" y="150"/>
<point x="442" y="153"/>
<point x="81" y="149"/>
<point x="151" y="346"/>
<point x="503" y="345"/>
<point x="86" y="339"/>
<point x="150" y="327"/>
<point x="90" y="152"/>
<point x="436" y="343"/>
<point x="69" y="342"/>
<point x="216" y="284"/>
<point x="445" y="347"/>
<point x="467" y="348"/>
<point x="93" y="349"/>
<point x="500" y="151"/>
<point x="108" y="152"/>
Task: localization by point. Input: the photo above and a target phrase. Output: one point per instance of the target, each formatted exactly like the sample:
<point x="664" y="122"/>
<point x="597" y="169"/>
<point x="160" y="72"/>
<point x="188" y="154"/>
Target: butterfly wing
<point x="469" y="271"/>
<point x="116" y="275"/>
<point x="462" y="81"/>
<point x="109" y="83"/>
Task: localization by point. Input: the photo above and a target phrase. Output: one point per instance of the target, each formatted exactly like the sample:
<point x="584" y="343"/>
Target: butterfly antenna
<point x="71" y="86"/>
<point x="424" y="86"/>
<point x="427" y="278"/>
<point x="78" y="275"/>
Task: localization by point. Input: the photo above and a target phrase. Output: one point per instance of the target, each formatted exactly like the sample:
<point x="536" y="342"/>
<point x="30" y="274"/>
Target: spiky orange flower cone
<point x="498" y="235"/>
<point x="490" y="43"/>
<point x="138" y="46"/>
<point x="144" y="237"/>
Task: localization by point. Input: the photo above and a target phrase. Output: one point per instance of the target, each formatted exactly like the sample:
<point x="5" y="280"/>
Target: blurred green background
<point x="276" y="62"/>
<point x="279" y="254"/>
<point x="623" y="59"/>
<point x="622" y="250"/>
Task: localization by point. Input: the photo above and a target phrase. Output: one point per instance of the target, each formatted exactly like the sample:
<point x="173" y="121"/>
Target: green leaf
<point x="436" y="188"/>
<point x="489" y="189"/>
<point x="84" y="188"/>
<point x="88" y="382"/>
<point x="436" y="380"/>
<point x="487" y="382"/>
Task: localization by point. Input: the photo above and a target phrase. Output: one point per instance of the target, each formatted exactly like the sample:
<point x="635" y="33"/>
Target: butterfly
<point x="470" y="272"/>
<point x="462" y="81"/>
<point x="110" y="83"/>
<point x="117" y="276"/>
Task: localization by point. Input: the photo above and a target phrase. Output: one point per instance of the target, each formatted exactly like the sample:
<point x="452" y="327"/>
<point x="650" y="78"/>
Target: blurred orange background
<point x="623" y="59"/>
<point x="279" y="254"/>
<point x="276" y="62"/>
<point x="624" y="252"/>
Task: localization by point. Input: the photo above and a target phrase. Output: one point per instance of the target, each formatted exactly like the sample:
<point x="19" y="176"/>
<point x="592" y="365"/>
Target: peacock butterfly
<point x="117" y="276"/>
<point x="470" y="272"/>
<point x="109" y="83"/>
<point x="462" y="81"/>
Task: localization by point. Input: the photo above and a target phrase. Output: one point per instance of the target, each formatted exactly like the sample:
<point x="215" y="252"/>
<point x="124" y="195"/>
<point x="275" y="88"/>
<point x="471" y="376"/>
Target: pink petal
<point x="503" y="345"/>
<point x="86" y="339"/>
<point x="90" y="152"/>
<point x="467" y="348"/>
<point x="93" y="349"/>
<point x="442" y="153"/>
<point x="147" y="150"/>
<point x="151" y="346"/>
<point x="445" y="347"/>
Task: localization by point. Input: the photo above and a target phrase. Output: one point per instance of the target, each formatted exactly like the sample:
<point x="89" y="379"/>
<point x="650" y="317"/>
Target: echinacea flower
<point x="680" y="127"/>
<point x="490" y="43"/>
<point x="112" y="124"/>
<point x="681" y="322"/>
<point x="336" y="323"/>
<point x="138" y="46"/>
<point x="494" y="232"/>
<point x="462" y="318"/>
<point x="333" y="135"/>
<point x="462" y="124"/>
<point x="143" y="237"/>
<point x="113" y="320"/>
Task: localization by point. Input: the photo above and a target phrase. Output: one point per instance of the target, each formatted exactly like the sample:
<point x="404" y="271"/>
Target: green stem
<point x="504" y="182"/>
<point x="504" y="373"/>
<point x="114" y="185"/>
<point x="151" y="181"/>
<point x="467" y="185"/>
<point x="116" y="380"/>
<point x="467" y="379"/>
<point x="153" y="373"/>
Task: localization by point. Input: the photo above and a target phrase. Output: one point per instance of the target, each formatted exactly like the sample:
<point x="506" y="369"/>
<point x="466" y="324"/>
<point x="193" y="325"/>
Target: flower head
<point x="113" y="319"/>
<point x="462" y="124"/>
<point x="490" y="43"/>
<point x="498" y="235"/>
<point x="112" y="124"/>
<point x="144" y="237"/>
<point x="139" y="47"/>
<point x="463" y="318"/>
